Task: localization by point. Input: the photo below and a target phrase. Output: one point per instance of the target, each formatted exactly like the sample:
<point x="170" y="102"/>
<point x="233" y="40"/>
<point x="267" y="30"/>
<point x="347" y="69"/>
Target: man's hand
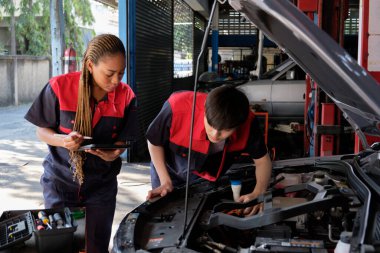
<point x="157" y="154"/>
<point x="249" y="211"/>
<point x="263" y="173"/>
<point x="160" y="191"/>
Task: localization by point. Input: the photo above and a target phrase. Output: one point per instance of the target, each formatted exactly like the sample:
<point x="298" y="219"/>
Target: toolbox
<point x="53" y="229"/>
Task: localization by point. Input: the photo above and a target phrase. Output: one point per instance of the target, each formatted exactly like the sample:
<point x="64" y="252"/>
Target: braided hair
<point x="100" y="46"/>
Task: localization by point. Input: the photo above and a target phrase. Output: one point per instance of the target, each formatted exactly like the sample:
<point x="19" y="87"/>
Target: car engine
<point x="308" y="208"/>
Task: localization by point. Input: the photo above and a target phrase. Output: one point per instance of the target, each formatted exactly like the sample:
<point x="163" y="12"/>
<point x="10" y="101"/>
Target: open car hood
<point x="351" y="87"/>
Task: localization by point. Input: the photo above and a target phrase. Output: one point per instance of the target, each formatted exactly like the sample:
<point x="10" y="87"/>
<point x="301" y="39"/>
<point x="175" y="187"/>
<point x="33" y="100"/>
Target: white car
<point x="280" y="91"/>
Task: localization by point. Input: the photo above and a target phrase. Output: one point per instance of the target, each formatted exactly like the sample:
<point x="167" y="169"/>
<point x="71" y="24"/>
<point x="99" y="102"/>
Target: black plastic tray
<point x="16" y="229"/>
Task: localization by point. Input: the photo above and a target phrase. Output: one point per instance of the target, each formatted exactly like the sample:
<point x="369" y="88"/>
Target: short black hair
<point x="226" y="107"/>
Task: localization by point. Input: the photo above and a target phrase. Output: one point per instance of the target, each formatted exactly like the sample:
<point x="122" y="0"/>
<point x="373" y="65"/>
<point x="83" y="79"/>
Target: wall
<point x="32" y="74"/>
<point x="153" y="66"/>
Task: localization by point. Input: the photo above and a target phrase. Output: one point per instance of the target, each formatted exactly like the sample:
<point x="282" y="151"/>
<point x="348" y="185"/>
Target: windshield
<point x="273" y="72"/>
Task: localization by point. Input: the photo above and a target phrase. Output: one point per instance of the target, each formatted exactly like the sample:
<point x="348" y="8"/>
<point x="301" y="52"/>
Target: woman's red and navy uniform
<point x="113" y="119"/>
<point x="171" y="129"/>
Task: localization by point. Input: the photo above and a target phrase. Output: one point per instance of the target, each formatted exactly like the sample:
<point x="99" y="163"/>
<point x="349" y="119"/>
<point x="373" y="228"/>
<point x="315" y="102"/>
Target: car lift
<point x="368" y="56"/>
<point x="321" y="116"/>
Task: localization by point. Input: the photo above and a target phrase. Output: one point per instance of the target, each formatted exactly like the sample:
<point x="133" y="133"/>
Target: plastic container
<point x="48" y="238"/>
<point x="236" y="188"/>
<point x="344" y="243"/>
<point x="56" y="239"/>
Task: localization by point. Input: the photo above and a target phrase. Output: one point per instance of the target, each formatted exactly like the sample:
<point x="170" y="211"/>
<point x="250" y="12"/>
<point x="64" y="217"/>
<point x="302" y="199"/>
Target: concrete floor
<point x="21" y="156"/>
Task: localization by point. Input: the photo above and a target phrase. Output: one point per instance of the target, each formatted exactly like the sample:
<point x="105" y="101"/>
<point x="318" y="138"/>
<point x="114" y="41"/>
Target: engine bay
<point x="304" y="211"/>
<point x="308" y="208"/>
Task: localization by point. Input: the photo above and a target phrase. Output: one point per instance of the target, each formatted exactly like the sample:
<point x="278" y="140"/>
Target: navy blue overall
<point x="113" y="120"/>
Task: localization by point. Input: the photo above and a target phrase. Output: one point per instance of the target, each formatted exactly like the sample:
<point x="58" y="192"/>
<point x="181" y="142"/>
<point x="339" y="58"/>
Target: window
<point x="232" y="22"/>
<point x="183" y="40"/>
<point x="351" y="24"/>
<point x="199" y="24"/>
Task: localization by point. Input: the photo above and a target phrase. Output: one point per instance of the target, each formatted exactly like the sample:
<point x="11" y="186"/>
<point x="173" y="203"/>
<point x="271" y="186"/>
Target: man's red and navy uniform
<point x="113" y="119"/>
<point x="171" y="129"/>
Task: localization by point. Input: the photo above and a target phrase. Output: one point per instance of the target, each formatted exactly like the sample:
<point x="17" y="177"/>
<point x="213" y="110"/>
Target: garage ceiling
<point x="200" y="6"/>
<point x="111" y="3"/>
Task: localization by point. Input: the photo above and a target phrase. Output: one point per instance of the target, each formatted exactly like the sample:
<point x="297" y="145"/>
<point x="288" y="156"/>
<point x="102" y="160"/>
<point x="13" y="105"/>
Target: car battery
<point x="53" y="229"/>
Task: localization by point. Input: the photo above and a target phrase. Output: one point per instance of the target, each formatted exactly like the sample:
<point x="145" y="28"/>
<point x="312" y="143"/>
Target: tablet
<point x="103" y="146"/>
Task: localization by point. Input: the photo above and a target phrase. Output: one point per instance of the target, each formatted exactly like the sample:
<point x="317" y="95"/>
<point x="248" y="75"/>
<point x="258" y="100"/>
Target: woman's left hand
<point x="106" y="155"/>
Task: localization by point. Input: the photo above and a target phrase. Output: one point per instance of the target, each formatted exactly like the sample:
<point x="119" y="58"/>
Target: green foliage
<point x="183" y="30"/>
<point x="8" y="7"/>
<point x="2" y="49"/>
<point x="33" y="24"/>
<point x="32" y="35"/>
<point x="73" y="10"/>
